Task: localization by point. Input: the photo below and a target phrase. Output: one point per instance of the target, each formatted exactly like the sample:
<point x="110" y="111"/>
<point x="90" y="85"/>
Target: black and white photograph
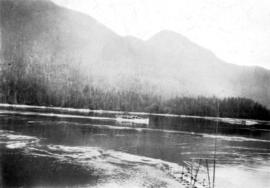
<point x="134" y="93"/>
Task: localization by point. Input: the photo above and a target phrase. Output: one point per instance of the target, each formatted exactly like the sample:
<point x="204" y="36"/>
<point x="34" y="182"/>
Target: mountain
<point x="55" y="48"/>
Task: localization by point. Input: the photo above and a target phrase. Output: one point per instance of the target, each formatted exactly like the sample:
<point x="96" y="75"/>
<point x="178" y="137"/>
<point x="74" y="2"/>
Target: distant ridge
<point x="62" y="45"/>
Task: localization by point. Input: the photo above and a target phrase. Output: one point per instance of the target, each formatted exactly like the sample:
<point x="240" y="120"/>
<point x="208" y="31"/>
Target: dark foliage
<point x="35" y="91"/>
<point x="234" y="107"/>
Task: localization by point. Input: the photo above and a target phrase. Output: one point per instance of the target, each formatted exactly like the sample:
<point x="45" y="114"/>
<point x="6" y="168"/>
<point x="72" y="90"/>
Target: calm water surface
<point x="71" y="150"/>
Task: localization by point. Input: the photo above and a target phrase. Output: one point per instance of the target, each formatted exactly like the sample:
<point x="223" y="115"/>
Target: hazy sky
<point x="237" y="31"/>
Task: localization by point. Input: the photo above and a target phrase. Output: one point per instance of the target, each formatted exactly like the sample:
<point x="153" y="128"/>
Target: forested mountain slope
<point x="53" y="55"/>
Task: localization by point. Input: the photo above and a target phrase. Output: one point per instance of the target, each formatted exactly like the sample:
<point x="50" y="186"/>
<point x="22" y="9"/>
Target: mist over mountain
<point x="57" y="49"/>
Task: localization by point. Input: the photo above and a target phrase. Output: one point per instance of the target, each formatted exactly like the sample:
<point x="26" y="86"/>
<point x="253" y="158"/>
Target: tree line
<point x="27" y="81"/>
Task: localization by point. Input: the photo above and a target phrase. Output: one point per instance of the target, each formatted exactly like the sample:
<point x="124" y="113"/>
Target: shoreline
<point x="238" y="121"/>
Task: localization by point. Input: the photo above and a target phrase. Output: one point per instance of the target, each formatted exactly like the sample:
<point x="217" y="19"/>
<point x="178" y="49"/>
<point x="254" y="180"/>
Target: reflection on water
<point x="242" y="151"/>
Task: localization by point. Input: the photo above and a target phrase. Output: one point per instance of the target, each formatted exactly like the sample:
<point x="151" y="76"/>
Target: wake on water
<point x="123" y="169"/>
